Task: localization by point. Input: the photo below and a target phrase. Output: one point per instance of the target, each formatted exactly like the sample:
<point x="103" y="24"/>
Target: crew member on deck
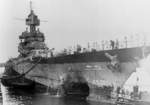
<point x="112" y="44"/>
<point x="117" y="44"/>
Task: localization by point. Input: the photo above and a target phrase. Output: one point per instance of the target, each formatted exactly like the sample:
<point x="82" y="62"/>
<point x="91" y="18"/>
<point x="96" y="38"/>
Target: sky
<point x="72" y="22"/>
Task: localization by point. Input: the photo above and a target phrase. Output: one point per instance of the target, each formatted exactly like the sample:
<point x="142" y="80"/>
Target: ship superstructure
<point x="32" y="41"/>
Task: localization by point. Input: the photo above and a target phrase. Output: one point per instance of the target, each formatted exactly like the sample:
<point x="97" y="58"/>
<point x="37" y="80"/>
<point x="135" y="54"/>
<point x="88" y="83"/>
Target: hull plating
<point x="97" y="74"/>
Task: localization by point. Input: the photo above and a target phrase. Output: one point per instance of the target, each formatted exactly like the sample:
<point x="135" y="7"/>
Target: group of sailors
<point x="135" y="94"/>
<point x="105" y="45"/>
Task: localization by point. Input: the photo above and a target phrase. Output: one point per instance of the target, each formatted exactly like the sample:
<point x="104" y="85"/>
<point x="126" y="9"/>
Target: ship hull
<point x="50" y="77"/>
<point x="104" y="71"/>
<point x="11" y="83"/>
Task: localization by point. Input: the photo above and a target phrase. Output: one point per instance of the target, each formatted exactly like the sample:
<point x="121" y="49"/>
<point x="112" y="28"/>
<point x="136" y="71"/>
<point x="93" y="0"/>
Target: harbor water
<point x="18" y="97"/>
<point x="10" y="96"/>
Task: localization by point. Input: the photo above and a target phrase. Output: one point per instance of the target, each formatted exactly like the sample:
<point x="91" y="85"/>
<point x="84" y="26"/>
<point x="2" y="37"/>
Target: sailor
<point x="79" y="48"/>
<point x="112" y="44"/>
<point x="117" y="44"/>
<point x="84" y="50"/>
<point x="51" y="52"/>
<point x="107" y="44"/>
<point x="125" y="39"/>
<point x="123" y="92"/>
<point x="26" y="29"/>
<point x="103" y="45"/>
<point x="38" y="30"/>
<point x="118" y="90"/>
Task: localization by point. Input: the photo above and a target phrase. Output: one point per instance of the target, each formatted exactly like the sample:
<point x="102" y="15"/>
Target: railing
<point x="104" y="45"/>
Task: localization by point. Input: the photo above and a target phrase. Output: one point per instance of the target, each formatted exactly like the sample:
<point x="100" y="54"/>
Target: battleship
<point x="78" y="74"/>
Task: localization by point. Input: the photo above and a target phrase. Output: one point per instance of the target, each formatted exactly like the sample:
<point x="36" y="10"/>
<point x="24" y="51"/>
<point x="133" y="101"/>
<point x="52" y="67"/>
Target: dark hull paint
<point x="18" y="83"/>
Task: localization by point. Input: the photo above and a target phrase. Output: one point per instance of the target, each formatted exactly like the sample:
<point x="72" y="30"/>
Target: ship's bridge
<point x="33" y="39"/>
<point x="32" y="21"/>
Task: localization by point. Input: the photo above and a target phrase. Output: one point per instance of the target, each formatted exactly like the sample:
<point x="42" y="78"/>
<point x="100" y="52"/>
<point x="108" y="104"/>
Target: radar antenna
<point x="30" y="5"/>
